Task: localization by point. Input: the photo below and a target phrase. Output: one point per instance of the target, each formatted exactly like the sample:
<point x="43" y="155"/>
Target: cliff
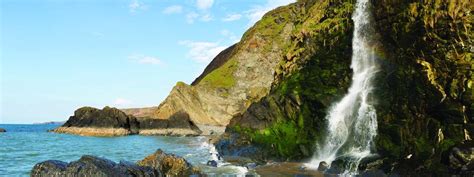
<point x="237" y="77"/>
<point x="424" y="94"/>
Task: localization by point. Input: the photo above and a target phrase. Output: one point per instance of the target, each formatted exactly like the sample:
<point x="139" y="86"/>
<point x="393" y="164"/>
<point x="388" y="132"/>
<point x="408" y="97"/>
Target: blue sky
<point x="58" y="55"/>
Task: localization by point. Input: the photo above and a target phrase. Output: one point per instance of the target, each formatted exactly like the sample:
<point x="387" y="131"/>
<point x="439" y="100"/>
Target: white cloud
<point x="142" y="59"/>
<point x="204" y="4"/>
<point x="257" y="12"/>
<point x="136" y="5"/>
<point x="202" y="52"/>
<point x="191" y="16"/>
<point x="232" y="17"/>
<point x="122" y="102"/>
<point x="175" y="9"/>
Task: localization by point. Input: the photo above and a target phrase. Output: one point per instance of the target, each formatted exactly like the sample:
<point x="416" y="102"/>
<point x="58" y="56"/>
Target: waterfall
<point x="352" y="122"/>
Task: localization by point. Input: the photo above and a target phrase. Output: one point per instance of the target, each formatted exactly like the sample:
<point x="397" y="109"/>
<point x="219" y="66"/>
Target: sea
<point x="22" y="146"/>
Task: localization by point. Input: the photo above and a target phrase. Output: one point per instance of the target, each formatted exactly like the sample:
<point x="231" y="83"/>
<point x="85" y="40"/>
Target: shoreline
<point x="110" y="132"/>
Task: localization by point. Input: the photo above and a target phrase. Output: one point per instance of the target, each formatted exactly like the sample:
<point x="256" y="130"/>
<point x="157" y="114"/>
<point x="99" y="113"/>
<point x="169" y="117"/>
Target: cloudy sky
<point x="59" y="55"/>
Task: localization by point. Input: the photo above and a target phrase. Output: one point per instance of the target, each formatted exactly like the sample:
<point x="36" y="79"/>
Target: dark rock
<point x="178" y="120"/>
<point x="91" y="166"/>
<point x="88" y="117"/>
<point x="323" y="166"/>
<point x="212" y="163"/>
<point x="461" y="158"/>
<point x="2" y="130"/>
<point x="156" y="165"/>
<point x="105" y="118"/>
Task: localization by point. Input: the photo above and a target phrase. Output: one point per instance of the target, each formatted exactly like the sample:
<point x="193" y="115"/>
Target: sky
<point x="59" y="55"/>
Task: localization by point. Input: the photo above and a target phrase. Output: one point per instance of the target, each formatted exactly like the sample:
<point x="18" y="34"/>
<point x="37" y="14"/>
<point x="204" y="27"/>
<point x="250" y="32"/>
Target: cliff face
<point x="424" y="93"/>
<point x="237" y="77"/>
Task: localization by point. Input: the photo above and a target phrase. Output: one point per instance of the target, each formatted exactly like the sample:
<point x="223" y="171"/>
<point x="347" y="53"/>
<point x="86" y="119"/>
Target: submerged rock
<point x="2" y="130"/>
<point x="157" y="164"/>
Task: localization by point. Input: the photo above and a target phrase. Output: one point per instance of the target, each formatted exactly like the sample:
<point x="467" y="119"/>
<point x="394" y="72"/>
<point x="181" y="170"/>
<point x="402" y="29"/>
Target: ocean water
<point x="22" y="146"/>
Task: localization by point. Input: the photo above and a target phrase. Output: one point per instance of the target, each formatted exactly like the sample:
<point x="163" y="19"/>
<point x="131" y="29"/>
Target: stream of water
<point x="352" y="122"/>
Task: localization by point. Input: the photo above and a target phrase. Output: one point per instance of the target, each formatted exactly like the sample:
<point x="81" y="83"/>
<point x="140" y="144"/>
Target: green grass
<point x="222" y="77"/>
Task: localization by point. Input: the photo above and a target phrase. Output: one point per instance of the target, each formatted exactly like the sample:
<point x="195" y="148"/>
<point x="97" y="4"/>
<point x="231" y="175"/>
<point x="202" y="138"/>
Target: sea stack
<point x="2" y="130"/>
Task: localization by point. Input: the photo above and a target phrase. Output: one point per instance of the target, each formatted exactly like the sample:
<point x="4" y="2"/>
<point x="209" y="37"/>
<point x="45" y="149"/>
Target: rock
<point x="91" y="166"/>
<point x="461" y="158"/>
<point x="251" y="166"/>
<point x="89" y="121"/>
<point x="212" y="163"/>
<point x="2" y="130"/>
<point x="156" y="165"/>
<point x="168" y="164"/>
<point x="323" y="166"/>
<point x="177" y="124"/>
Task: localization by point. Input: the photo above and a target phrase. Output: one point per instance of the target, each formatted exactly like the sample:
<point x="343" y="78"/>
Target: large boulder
<point x="168" y="164"/>
<point x="158" y="164"/>
<point x="2" y="130"/>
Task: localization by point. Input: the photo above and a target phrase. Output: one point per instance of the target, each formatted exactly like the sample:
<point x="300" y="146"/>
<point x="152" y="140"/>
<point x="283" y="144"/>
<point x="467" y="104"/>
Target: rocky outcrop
<point x="158" y="164"/>
<point x="89" y="121"/>
<point x="177" y="124"/>
<point x="2" y="130"/>
<point x="424" y="93"/>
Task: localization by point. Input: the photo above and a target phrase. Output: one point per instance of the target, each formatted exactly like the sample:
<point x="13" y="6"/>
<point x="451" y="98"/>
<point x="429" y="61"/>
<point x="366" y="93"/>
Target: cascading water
<point x="352" y="122"/>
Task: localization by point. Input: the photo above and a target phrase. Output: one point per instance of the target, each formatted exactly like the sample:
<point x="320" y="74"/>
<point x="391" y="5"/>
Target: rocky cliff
<point x="424" y="93"/>
<point x="237" y="77"/>
<point x="109" y="121"/>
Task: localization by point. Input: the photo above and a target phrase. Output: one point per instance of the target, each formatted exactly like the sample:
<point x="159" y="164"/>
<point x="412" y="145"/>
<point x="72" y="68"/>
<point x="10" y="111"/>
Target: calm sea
<point x="22" y="146"/>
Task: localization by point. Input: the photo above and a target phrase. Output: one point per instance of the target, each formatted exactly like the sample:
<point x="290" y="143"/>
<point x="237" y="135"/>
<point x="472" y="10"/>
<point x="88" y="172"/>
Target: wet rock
<point x="2" y="130"/>
<point x="157" y="164"/>
<point x="168" y="164"/>
<point x="323" y="166"/>
<point x="461" y="158"/>
<point x="251" y="165"/>
<point x="212" y="163"/>
<point x="90" y="166"/>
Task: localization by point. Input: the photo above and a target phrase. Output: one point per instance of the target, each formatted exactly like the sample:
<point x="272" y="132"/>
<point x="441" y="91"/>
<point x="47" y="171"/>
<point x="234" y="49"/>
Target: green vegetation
<point x="223" y="76"/>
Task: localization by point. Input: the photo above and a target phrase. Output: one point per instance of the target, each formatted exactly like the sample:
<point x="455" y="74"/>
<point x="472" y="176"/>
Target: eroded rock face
<point x="424" y="92"/>
<point x="89" y="121"/>
<point x="237" y="77"/>
<point x="2" y="130"/>
<point x="157" y="164"/>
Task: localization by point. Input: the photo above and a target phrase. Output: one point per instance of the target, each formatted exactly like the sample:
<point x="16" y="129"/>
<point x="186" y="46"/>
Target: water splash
<point x="352" y="122"/>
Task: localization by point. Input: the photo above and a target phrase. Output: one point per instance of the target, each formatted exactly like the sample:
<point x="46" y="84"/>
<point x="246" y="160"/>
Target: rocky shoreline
<point x="156" y="164"/>
<point x="88" y="121"/>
